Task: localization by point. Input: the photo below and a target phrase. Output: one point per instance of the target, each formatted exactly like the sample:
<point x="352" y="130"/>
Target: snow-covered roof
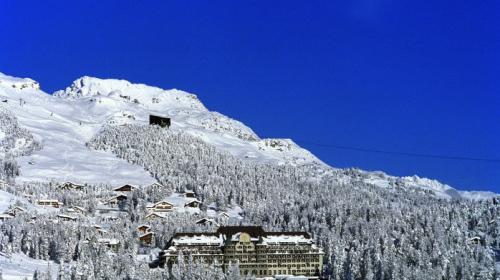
<point x="66" y="217"/>
<point x="110" y="241"/>
<point x="197" y="239"/>
<point x="160" y="215"/>
<point x="47" y="200"/>
<point x="286" y="238"/>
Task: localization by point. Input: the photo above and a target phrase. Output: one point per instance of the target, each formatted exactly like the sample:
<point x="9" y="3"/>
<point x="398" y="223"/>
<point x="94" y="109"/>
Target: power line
<point x="410" y="154"/>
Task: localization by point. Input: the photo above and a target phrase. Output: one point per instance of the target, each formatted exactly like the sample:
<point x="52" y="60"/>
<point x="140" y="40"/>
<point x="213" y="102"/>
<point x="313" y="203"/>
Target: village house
<point x="66" y="218"/>
<point x="71" y="186"/>
<point x="115" y="201"/>
<point x="49" y="202"/>
<point x="193" y="204"/>
<point x="146" y="239"/>
<point x="111" y="243"/>
<point x="77" y="210"/>
<point x="189" y="193"/>
<point x="162" y="206"/>
<point x="125" y="188"/>
<point x="15" y="210"/>
<point x="206" y="221"/>
<point x="143" y="228"/>
<point x="4" y="217"/>
<point x="176" y="202"/>
<point x="258" y="253"/>
<point x="154" y="216"/>
<point x="475" y="240"/>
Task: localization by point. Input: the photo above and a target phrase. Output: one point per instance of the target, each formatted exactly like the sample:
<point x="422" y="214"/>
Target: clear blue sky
<point x="403" y="76"/>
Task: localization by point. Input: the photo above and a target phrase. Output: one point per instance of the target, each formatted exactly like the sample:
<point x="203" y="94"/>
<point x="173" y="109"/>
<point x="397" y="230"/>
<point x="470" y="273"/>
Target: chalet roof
<point x="110" y="241"/>
<point x="124" y="186"/>
<point x="155" y="214"/>
<point x="146" y="234"/>
<point x="70" y="184"/>
<point x="192" y="202"/>
<point x="49" y="200"/>
<point x="118" y="196"/>
<point x="66" y="217"/>
<point x="205" y="220"/>
<point x="16" y="209"/>
<point x="78" y="208"/>
<point x="155" y="184"/>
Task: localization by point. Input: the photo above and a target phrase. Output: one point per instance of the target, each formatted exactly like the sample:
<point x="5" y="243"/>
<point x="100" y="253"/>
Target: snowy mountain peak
<point x="18" y="83"/>
<point x="60" y="125"/>
<point x="151" y="97"/>
<point x="89" y="86"/>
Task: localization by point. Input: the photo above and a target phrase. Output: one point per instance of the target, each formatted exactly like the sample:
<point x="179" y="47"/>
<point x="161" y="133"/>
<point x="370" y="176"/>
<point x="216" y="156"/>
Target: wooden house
<point x="66" y="218"/>
<point x="475" y="240"/>
<point x="77" y="209"/>
<point x="193" y="204"/>
<point x="111" y="243"/>
<point x="206" y="221"/>
<point x="125" y="188"/>
<point x="49" y="202"/>
<point x="154" y="216"/>
<point x="4" y="217"/>
<point x="161" y="121"/>
<point x="162" y="206"/>
<point x="189" y="193"/>
<point x="70" y="186"/>
<point x="143" y="228"/>
<point x="116" y="200"/>
<point x="147" y="238"/>
<point x="15" y="210"/>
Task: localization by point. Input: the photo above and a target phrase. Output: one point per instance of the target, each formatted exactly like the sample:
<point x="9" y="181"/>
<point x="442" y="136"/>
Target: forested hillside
<point x="367" y="232"/>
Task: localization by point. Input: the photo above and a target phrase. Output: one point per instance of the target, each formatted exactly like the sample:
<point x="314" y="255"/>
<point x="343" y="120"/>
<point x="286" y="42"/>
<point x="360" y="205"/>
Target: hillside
<point x="96" y="134"/>
<point x="65" y="121"/>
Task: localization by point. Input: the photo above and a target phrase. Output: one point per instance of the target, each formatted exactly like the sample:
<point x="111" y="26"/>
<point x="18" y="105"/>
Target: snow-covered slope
<point x="19" y="266"/>
<point x="65" y="121"/>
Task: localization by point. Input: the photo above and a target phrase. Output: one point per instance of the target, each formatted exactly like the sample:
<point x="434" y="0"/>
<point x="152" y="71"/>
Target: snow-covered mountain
<point x="63" y="122"/>
<point x="97" y="132"/>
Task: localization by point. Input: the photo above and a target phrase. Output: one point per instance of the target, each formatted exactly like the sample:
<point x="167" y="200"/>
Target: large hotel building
<point x="258" y="253"/>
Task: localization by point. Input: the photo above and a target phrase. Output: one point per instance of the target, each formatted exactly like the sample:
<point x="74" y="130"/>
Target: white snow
<point x="6" y="200"/>
<point x="178" y="201"/>
<point x="283" y="238"/>
<point x="64" y="122"/>
<point x="18" y="83"/>
<point x="18" y="266"/>
<point x="198" y="239"/>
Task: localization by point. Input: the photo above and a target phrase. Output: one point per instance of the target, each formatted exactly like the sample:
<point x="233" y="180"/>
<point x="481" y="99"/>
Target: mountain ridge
<point x="79" y="111"/>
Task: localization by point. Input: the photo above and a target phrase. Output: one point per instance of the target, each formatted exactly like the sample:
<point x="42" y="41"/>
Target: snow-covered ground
<point x="6" y="200"/>
<point x="65" y="121"/>
<point x="20" y="266"/>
